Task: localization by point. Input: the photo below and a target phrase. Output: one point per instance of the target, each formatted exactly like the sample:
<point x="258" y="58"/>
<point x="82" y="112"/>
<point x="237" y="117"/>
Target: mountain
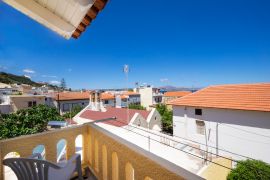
<point x="8" y="78"/>
<point x="173" y="88"/>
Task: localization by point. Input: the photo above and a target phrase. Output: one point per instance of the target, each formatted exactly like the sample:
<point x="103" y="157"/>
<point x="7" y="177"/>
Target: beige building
<point x="149" y="96"/>
<point x="25" y="101"/>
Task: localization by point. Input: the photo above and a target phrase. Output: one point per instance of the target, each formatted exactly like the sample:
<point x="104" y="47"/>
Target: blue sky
<point x="180" y="43"/>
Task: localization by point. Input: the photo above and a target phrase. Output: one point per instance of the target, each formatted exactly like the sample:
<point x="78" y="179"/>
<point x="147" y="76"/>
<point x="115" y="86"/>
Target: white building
<point x="149" y="96"/>
<point x="235" y="118"/>
<point x="5" y="89"/>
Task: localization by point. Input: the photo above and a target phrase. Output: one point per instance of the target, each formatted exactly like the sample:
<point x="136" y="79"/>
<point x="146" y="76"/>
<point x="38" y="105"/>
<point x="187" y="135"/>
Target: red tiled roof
<point x="176" y="93"/>
<point x="121" y="115"/>
<point x="106" y="96"/>
<point x="255" y="97"/>
<point x="65" y="96"/>
<point x="130" y="93"/>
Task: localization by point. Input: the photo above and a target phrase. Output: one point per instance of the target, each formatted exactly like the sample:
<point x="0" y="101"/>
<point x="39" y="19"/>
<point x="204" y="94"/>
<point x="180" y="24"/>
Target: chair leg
<point x="79" y="168"/>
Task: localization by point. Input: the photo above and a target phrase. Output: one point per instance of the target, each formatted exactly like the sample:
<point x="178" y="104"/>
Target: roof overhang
<point x="69" y="18"/>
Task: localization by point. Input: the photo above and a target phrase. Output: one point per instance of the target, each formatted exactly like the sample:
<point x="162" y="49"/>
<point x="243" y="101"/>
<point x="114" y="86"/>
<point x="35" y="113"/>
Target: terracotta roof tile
<point x="106" y="96"/>
<point x="130" y="93"/>
<point x="255" y="97"/>
<point x="176" y="93"/>
<point x="64" y="96"/>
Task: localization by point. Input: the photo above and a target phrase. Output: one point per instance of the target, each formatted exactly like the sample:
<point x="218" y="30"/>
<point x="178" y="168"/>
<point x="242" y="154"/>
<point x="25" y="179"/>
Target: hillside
<point x="8" y="78"/>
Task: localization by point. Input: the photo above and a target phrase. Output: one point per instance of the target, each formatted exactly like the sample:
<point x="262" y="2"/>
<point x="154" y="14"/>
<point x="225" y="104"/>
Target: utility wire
<point x="174" y="147"/>
<point x="187" y="152"/>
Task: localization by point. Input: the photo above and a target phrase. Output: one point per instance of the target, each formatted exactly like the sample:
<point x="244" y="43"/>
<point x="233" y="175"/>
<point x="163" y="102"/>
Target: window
<point x="198" y="112"/>
<point x="200" y="127"/>
<point x="83" y="103"/>
<point x="34" y="103"/>
<point x="65" y="107"/>
<point x="30" y="104"/>
<point x="106" y="102"/>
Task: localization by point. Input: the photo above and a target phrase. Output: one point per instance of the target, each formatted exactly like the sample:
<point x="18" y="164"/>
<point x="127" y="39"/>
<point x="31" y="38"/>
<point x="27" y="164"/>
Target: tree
<point x="166" y="118"/>
<point x="27" y="121"/>
<point x="136" y="106"/>
<point x="250" y="169"/>
<point x="63" y="84"/>
<point x="74" y="111"/>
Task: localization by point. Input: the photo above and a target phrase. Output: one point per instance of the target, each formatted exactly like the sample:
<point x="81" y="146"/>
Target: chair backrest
<point x="30" y="169"/>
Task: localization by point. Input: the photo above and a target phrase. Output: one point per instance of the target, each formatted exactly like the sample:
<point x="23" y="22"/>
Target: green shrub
<point x="74" y="111"/>
<point x="136" y="106"/>
<point x="27" y="121"/>
<point x="250" y="170"/>
<point x="166" y="118"/>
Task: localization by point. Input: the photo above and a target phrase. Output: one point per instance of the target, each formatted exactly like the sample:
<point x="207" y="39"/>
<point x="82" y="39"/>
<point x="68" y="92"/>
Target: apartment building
<point x="149" y="96"/>
<point x="230" y="117"/>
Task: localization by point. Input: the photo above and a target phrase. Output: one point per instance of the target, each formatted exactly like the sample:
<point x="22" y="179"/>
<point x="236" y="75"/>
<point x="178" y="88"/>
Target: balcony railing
<point x="107" y="155"/>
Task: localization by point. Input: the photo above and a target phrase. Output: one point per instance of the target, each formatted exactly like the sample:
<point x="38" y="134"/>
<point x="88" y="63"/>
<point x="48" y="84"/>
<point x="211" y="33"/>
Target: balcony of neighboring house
<point x="110" y="151"/>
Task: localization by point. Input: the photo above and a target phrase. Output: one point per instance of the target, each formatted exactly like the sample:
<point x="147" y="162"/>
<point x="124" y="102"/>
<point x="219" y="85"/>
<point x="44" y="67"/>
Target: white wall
<point x="242" y="132"/>
<point x="146" y="96"/>
<point x="5" y="108"/>
<point x="154" y="120"/>
<point x="110" y="103"/>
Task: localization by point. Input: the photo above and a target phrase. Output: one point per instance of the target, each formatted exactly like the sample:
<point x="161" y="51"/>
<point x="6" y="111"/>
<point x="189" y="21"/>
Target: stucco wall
<point x="146" y="97"/>
<point x="138" y="120"/>
<point x="154" y="120"/>
<point x="21" y="102"/>
<point x="242" y="132"/>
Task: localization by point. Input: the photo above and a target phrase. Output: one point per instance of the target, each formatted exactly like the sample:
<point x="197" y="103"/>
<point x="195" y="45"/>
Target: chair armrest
<point x="35" y="156"/>
<point x="75" y="157"/>
<point x="73" y="165"/>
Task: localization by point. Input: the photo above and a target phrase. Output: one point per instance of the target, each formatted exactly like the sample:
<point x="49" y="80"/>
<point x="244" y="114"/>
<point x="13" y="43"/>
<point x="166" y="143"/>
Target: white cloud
<point x="164" y="79"/>
<point x="30" y="71"/>
<point x="55" y="82"/>
<point x="3" y="67"/>
<point x="27" y="76"/>
<point x="48" y="76"/>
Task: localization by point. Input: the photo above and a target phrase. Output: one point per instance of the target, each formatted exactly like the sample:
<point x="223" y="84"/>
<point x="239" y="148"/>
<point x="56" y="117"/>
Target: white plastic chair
<point x="34" y="168"/>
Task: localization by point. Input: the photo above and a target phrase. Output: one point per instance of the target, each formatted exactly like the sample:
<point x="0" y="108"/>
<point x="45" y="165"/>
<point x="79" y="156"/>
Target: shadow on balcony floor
<point x="88" y="175"/>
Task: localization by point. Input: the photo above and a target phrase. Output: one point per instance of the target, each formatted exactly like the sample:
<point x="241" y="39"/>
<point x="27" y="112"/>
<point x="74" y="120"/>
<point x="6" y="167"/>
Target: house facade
<point x="65" y="101"/>
<point x="234" y="118"/>
<point x="18" y="102"/>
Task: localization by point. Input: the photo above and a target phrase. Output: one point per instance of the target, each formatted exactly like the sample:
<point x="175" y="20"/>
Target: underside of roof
<point x="69" y="18"/>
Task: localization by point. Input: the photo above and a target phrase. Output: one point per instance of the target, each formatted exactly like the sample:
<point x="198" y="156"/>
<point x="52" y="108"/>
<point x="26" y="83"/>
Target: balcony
<point x="104" y="152"/>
